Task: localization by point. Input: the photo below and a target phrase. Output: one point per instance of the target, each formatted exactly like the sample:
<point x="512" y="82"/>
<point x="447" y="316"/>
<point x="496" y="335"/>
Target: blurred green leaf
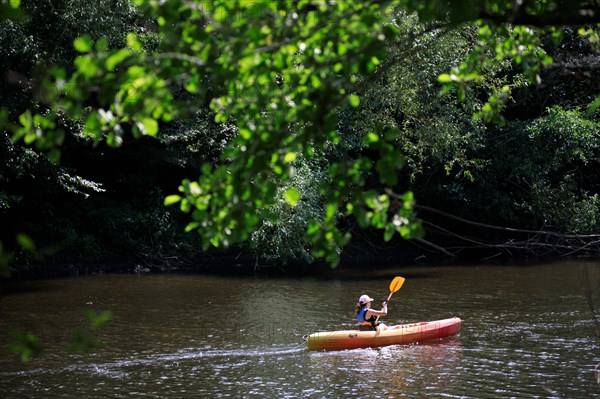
<point x="292" y="196"/>
<point x="86" y="339"/>
<point x="149" y="126"/>
<point x="27" y="346"/>
<point x="116" y="58"/>
<point x="83" y="44"/>
<point x="25" y="242"/>
<point x="172" y="199"/>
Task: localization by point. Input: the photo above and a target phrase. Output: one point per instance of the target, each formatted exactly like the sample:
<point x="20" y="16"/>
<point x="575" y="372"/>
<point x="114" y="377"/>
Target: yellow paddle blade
<point x="396" y="283"/>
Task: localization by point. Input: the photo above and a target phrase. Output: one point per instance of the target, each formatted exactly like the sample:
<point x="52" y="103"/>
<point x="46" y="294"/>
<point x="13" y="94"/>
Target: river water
<point x="528" y="332"/>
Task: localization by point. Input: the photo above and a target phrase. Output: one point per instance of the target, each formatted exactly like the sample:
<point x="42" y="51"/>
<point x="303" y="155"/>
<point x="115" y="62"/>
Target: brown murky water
<point x="528" y="332"/>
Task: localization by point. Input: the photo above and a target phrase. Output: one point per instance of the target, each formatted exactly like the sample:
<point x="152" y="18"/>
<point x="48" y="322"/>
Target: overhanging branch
<point x="537" y="243"/>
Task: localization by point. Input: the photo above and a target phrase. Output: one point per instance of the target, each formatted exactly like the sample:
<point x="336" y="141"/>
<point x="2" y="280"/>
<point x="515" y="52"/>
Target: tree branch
<point x="507" y="229"/>
<point x="537" y="243"/>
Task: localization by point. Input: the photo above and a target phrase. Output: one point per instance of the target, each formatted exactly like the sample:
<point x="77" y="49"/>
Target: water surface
<point x="528" y="332"/>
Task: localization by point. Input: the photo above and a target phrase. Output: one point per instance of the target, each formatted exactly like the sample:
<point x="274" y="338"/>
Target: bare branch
<point x="507" y="229"/>
<point x="538" y="243"/>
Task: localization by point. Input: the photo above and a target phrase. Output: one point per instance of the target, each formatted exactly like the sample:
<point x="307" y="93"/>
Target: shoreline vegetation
<point x="468" y="243"/>
<point x="247" y="265"/>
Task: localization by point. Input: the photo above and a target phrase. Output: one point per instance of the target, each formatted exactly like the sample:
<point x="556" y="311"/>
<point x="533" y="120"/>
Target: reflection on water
<point x="527" y="332"/>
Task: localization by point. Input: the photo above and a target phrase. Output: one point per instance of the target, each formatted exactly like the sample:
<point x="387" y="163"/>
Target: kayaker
<point x="367" y="317"/>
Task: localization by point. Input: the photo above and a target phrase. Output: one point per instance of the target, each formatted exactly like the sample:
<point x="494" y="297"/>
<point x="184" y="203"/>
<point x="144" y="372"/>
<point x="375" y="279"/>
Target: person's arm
<point x="373" y="312"/>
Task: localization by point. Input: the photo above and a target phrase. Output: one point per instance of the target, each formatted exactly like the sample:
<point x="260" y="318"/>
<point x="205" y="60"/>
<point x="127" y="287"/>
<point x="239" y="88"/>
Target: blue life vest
<point x="366" y="325"/>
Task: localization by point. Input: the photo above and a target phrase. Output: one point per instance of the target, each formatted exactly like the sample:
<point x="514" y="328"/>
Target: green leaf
<point x="114" y="140"/>
<point x="292" y="196"/>
<point x="93" y="126"/>
<point x="354" y="100"/>
<point x="101" y="44"/>
<point x="289" y="157"/>
<point x="26" y="242"/>
<point x="83" y="44"/>
<point x="245" y="133"/>
<point x="446" y="78"/>
<point x="594" y="105"/>
<point x="132" y="42"/>
<point x="370" y="138"/>
<point x="185" y="205"/>
<point x="172" y="199"/>
<point x="313" y="228"/>
<point x="86" y="66"/>
<point x="191" y="226"/>
<point x="192" y="85"/>
<point x="26" y="346"/>
<point x="389" y="231"/>
<point x="150" y="126"/>
<point x="220" y="14"/>
<point x="85" y="340"/>
<point x="331" y="211"/>
<point x="54" y="155"/>
<point x="116" y="58"/>
<point x="97" y="321"/>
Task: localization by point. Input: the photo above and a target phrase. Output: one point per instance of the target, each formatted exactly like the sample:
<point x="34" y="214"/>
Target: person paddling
<point x="367" y="317"/>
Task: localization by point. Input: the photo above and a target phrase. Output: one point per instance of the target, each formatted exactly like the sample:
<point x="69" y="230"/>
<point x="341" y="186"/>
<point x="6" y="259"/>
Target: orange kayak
<point x="405" y="334"/>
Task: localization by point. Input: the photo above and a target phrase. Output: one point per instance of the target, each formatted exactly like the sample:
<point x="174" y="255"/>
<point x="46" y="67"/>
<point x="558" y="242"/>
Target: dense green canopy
<point x="289" y="125"/>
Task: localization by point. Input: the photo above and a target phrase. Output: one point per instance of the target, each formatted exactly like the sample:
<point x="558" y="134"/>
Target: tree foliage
<point x="307" y="115"/>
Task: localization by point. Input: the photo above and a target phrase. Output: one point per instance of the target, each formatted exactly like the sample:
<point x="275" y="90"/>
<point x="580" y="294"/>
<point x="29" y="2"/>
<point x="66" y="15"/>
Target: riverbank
<point x="231" y="262"/>
<point x="246" y="265"/>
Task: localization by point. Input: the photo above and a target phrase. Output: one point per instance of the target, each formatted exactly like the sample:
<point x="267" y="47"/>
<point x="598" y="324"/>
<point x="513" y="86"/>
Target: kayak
<point x="404" y="334"/>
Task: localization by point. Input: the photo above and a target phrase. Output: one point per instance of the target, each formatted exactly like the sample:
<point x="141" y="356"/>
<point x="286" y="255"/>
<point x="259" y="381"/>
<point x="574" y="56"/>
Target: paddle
<point x="395" y="285"/>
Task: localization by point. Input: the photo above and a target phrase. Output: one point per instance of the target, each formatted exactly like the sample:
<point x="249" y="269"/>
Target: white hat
<point x="364" y="299"/>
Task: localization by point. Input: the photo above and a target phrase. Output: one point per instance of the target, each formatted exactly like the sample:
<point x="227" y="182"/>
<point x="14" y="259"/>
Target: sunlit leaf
<point x="83" y="44"/>
<point x="116" y="58"/>
<point x="150" y="126"/>
<point x="292" y="196"/>
<point x="371" y="138"/>
<point x="354" y="100"/>
<point x="172" y="199"/>
<point x="289" y="157"/>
